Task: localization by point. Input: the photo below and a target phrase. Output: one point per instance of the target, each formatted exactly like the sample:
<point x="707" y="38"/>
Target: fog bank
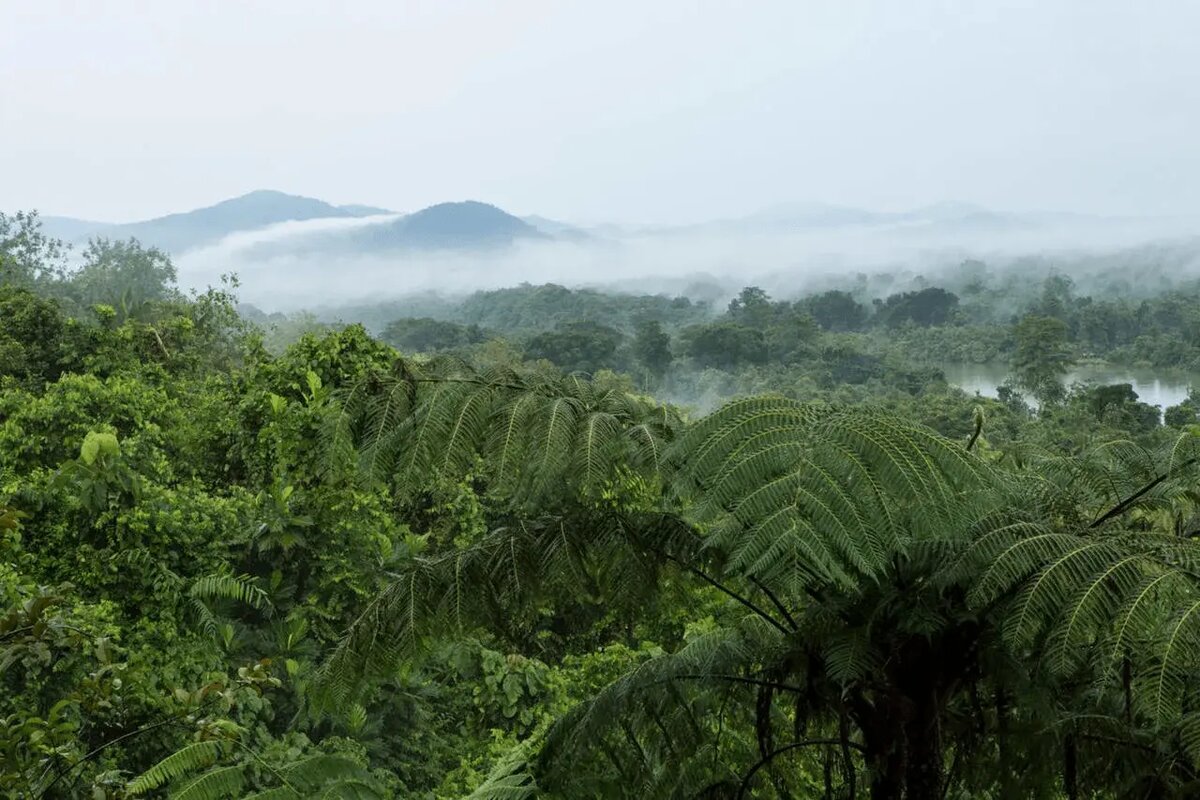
<point x="288" y="266"/>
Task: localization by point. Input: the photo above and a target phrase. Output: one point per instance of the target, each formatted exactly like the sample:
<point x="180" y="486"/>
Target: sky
<point x="663" y="111"/>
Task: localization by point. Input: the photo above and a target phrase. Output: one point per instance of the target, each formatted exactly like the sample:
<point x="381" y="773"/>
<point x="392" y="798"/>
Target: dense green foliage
<point x="244" y="555"/>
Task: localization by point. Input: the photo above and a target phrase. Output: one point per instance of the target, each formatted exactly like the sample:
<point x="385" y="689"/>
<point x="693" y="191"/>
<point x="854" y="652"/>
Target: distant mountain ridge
<point x="188" y="230"/>
<point x="471" y="224"/>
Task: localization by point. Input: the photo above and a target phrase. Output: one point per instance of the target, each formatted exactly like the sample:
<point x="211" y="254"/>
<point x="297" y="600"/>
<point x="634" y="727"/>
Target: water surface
<point x="1162" y="388"/>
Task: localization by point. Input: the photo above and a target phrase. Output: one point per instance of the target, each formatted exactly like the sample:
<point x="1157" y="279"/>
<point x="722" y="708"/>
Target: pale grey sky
<point x="642" y="110"/>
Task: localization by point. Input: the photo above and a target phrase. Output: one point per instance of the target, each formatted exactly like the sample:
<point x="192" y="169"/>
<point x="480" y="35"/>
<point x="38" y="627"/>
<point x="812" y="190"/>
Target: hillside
<point x="187" y="230"/>
<point x="468" y="224"/>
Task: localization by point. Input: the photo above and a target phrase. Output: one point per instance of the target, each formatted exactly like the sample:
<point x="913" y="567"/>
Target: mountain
<point x="187" y="230"/>
<point x="191" y="229"/>
<point x="463" y="225"/>
<point x="70" y="229"/>
<point x="467" y="225"/>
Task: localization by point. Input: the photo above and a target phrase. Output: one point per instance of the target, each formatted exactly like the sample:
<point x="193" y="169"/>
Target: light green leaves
<point x="98" y="444"/>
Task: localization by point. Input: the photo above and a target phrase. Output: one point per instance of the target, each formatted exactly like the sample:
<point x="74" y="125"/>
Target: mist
<point x="289" y="266"/>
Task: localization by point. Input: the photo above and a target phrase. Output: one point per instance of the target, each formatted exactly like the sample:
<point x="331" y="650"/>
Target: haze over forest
<point x="291" y="251"/>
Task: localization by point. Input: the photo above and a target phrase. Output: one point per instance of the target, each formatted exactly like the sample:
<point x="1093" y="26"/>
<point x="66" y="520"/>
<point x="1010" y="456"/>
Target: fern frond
<point x="239" y="588"/>
<point x="188" y="759"/>
<point x="510" y="779"/>
<point x="215" y="784"/>
<point x="319" y="771"/>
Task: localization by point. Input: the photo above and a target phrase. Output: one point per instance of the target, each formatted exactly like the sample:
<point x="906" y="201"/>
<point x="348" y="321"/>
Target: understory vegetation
<point x="564" y="543"/>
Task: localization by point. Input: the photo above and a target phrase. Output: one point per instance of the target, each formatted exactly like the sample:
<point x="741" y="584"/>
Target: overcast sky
<point x="648" y="110"/>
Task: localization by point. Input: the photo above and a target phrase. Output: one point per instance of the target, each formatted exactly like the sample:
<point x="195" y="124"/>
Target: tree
<point x="792" y="337"/>
<point x="32" y="336"/>
<point x="724" y="345"/>
<point x="28" y="257"/>
<point x="752" y="308"/>
<point x="426" y="335"/>
<point x="124" y="275"/>
<point x="577" y="346"/>
<point x="236" y="572"/>
<point x="652" y="347"/>
<point x="1186" y="413"/>
<point x="1118" y="405"/>
<point x="1042" y="356"/>
<point x="837" y="311"/>
<point x="932" y="306"/>
<point x="1057" y="297"/>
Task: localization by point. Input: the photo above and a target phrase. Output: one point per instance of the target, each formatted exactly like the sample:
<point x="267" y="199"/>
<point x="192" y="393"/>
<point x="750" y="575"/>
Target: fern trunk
<point x="925" y="772"/>
<point x="905" y="751"/>
<point x="902" y="727"/>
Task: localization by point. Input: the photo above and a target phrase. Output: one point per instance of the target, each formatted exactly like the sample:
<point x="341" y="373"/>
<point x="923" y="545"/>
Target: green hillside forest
<point x="543" y="542"/>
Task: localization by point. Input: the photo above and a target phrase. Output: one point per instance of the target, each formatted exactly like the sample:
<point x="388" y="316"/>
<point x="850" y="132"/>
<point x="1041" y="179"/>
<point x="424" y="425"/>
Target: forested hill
<point x="459" y="225"/>
<point x="187" y="230"/>
<point x="468" y="224"/>
<point x="240" y="564"/>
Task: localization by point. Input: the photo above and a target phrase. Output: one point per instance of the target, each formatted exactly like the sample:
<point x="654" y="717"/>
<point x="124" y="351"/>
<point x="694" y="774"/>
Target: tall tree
<point x="1042" y="356"/>
<point x="652" y="347"/>
<point x="125" y="275"/>
<point x="27" y="255"/>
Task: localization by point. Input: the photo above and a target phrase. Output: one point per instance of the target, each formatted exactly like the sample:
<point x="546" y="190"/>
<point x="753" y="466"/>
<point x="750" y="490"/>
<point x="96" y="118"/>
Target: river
<point x="1162" y="388"/>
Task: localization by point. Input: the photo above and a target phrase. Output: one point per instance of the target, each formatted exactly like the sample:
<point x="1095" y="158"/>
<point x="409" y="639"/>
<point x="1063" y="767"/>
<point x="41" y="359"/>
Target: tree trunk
<point x="885" y="757"/>
<point x="1070" y="769"/>
<point x="925" y="775"/>
<point x="887" y="779"/>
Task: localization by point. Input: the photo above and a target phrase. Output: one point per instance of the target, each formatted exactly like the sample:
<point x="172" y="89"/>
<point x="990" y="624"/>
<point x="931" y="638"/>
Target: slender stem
<point x="975" y="433"/>
<point x="782" y="687"/>
<point x="718" y="585"/>
<point x="776" y="602"/>
<point x="136" y="732"/>
<point x="266" y="766"/>
<point x="1123" y="506"/>
<point x="749" y="777"/>
<point x="845" y="743"/>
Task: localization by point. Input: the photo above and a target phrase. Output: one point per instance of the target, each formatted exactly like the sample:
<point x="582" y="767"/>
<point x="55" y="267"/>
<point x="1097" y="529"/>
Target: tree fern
<point x="1105" y="586"/>
<point x="865" y="556"/>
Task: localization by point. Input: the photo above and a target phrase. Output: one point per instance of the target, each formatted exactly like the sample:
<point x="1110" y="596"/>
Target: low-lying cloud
<point x="286" y="266"/>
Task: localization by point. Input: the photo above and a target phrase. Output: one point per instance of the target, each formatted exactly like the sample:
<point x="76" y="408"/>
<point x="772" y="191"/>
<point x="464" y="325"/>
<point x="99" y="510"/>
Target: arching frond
<point x="216" y="784"/>
<point x="654" y="724"/>
<point x="185" y="761"/>
<point x="497" y="580"/>
<point x="539" y="435"/>
<point x="821" y="495"/>
<point x="220" y="586"/>
<point x="510" y="779"/>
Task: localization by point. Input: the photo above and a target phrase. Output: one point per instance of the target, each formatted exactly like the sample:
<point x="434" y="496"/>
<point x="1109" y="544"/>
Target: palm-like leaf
<point x="539" y="435"/>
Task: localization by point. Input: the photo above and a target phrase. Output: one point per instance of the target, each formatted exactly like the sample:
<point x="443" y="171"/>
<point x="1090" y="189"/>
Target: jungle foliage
<point x="500" y="568"/>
